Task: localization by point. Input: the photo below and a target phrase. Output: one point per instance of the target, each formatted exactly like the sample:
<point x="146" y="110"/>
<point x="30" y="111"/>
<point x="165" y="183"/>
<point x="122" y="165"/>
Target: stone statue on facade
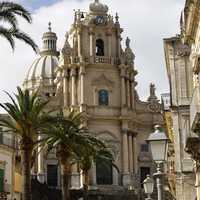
<point x="66" y="50"/>
<point x="59" y="81"/>
<point x="129" y="55"/>
<point x="153" y="105"/>
<point x="128" y="42"/>
<point x="152" y="90"/>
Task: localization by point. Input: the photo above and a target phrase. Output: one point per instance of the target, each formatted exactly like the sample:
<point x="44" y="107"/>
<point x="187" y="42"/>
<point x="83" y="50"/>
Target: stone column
<point x="123" y="87"/>
<point x="130" y="140"/>
<point x="82" y="76"/>
<point x="118" y="43"/>
<point x="128" y="91"/>
<point x="126" y="173"/>
<point x="91" y="33"/>
<point x="65" y="89"/>
<point x="109" y="34"/>
<point x="79" y="43"/>
<point x="132" y="87"/>
<point x="125" y="152"/>
<point x="41" y="171"/>
<point x="75" y="177"/>
<point x="93" y="176"/>
<point x="82" y="97"/>
<point x="135" y="161"/>
<point x="73" y="86"/>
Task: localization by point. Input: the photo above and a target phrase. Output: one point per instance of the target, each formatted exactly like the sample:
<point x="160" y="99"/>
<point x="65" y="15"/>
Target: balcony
<point x="102" y="60"/>
<point x="104" y="111"/>
<point x="195" y="111"/>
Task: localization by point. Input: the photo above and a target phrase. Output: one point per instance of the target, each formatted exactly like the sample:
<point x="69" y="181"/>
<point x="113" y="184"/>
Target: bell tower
<point x="97" y="76"/>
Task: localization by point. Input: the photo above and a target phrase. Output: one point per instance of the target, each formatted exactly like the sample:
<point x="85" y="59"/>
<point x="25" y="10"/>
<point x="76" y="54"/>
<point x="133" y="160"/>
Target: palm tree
<point x="68" y="136"/>
<point x="8" y="14"/>
<point x="26" y="119"/>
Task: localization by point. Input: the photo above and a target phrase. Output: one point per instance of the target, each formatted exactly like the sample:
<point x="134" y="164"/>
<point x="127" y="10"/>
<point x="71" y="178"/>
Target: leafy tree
<point x="8" y="14"/>
<point x="26" y="120"/>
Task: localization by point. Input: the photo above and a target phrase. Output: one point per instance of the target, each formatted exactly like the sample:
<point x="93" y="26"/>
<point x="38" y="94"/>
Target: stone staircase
<point x="110" y="192"/>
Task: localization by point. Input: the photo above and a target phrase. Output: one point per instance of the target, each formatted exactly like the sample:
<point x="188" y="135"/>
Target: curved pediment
<point x="112" y="143"/>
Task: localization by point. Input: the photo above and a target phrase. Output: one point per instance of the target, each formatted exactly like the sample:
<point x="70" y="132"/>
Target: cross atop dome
<point x="49" y="26"/>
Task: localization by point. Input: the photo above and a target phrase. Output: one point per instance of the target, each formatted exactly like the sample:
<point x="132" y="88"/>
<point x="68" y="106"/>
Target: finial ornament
<point x="117" y="18"/>
<point x="67" y="35"/>
<point x="128" y="42"/>
<point x="49" y="26"/>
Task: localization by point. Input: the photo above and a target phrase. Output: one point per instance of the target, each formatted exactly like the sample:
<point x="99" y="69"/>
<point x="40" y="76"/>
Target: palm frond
<point x="25" y="38"/>
<point x="6" y="16"/>
<point x="6" y="33"/>
<point x="16" y="9"/>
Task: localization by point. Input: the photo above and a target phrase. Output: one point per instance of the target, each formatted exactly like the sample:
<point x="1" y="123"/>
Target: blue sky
<point x="35" y="4"/>
<point x="145" y="22"/>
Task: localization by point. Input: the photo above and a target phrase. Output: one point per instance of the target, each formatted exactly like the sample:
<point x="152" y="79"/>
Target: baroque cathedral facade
<point x="95" y="75"/>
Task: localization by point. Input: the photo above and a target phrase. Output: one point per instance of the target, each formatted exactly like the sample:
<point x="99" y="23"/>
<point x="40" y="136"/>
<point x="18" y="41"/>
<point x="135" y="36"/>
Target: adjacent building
<point x="182" y="61"/>
<point x="180" y="80"/>
<point x="7" y="164"/>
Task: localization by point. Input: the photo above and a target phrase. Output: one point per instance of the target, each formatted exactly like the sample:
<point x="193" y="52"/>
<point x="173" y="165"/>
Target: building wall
<point x="7" y="164"/>
<point x="180" y="79"/>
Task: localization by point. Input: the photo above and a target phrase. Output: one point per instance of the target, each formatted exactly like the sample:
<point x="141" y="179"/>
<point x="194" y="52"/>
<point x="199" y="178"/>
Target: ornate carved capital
<point x="73" y="72"/>
<point x="123" y="70"/>
<point x="91" y="31"/>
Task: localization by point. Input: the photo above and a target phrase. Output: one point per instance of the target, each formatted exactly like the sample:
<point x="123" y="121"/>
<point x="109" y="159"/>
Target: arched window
<point x="103" y="97"/>
<point x="99" y="47"/>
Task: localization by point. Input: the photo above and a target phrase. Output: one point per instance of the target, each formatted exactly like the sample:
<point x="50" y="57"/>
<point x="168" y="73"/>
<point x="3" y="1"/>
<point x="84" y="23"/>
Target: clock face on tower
<point x="99" y="20"/>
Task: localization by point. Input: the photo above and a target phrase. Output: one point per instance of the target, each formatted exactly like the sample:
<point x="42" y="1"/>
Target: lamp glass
<point x="158" y="149"/>
<point x="148" y="185"/>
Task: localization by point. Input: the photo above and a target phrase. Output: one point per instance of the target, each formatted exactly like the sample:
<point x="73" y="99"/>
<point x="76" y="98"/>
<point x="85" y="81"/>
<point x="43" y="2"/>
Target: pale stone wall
<point x="7" y="163"/>
<point x="180" y="78"/>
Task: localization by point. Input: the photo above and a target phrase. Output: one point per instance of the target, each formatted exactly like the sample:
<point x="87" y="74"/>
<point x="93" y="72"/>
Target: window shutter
<point x="1" y="180"/>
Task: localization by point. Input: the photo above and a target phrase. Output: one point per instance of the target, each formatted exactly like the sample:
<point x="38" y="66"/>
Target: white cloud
<point x="146" y="22"/>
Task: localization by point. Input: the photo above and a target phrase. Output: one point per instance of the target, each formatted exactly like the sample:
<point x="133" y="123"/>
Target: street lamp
<point x="148" y="184"/>
<point x="158" y="143"/>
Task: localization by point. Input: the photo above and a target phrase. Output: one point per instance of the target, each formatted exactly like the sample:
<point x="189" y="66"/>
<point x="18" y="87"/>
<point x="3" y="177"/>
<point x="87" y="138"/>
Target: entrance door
<point x="104" y="172"/>
<point x="52" y="175"/>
